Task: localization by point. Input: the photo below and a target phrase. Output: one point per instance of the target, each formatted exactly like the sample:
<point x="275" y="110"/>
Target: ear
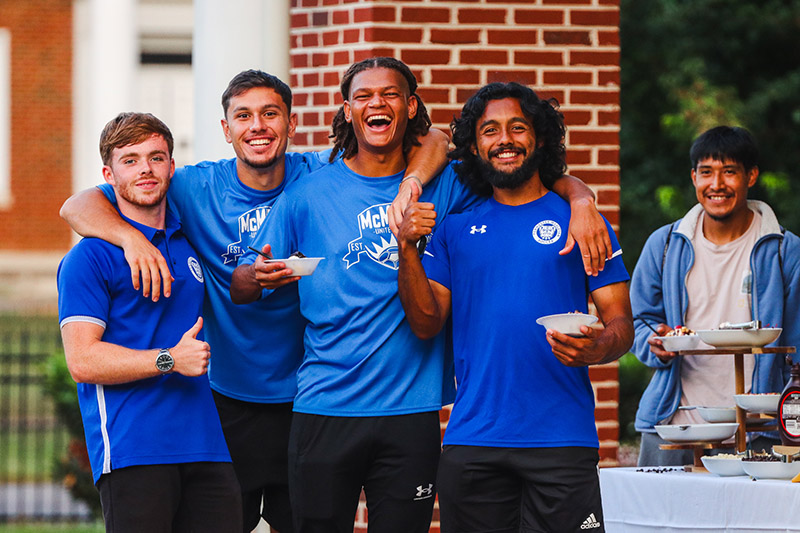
<point x="108" y="175"/>
<point x="473" y="149"/>
<point x="226" y="130"/>
<point x="171" y="167"/>
<point x="413" y="104"/>
<point x="694" y="178"/>
<point x="752" y="177"/>
<point x="348" y="117"/>
<point x="292" y="124"/>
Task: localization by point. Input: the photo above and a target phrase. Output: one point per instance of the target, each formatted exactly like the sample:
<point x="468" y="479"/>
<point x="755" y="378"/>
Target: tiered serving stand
<point x="741" y="414"/>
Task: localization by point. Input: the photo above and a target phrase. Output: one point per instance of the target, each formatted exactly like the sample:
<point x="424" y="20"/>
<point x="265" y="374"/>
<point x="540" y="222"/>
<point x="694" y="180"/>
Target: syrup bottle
<point x="789" y="408"/>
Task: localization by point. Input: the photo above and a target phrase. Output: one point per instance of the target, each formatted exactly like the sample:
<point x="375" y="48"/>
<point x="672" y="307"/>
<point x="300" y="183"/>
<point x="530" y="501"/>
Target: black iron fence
<point x="33" y="437"/>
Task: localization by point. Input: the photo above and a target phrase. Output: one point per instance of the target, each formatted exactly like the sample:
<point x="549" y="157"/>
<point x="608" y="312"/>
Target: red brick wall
<point x="41" y="123"/>
<point x="568" y="49"/>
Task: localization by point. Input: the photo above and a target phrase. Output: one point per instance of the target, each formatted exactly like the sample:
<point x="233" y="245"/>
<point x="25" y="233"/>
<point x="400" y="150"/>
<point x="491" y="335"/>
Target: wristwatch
<point x="164" y="361"/>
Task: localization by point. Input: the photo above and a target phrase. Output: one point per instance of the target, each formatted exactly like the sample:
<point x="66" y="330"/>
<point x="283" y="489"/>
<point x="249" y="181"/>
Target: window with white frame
<point x="5" y="117"/>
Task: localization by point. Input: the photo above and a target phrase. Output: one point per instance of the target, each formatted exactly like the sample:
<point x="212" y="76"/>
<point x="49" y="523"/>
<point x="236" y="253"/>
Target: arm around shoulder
<point x="90" y="214"/>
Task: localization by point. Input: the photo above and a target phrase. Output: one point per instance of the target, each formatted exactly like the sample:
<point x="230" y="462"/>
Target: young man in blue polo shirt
<point x="156" y="447"/>
<point x="521" y="448"/>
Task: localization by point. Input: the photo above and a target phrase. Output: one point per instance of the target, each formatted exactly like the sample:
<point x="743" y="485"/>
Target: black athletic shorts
<point x="182" y="498"/>
<point x="393" y="458"/>
<point x="504" y="490"/>
<point x="258" y="441"/>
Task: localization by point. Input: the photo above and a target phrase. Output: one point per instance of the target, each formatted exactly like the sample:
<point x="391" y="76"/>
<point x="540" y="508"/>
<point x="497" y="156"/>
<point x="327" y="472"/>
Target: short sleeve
<point x="436" y="260"/>
<point x="614" y="270"/>
<point x="83" y="285"/>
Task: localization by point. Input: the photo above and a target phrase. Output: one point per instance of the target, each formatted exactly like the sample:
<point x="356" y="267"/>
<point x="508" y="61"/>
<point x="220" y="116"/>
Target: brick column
<point x="567" y="49"/>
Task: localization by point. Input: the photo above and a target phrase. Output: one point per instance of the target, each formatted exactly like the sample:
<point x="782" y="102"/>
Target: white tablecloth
<point x="635" y="502"/>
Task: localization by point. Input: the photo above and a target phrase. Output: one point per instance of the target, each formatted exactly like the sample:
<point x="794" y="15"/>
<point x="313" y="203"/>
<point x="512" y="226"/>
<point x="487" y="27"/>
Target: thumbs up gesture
<point x="191" y="355"/>
<point x="418" y="217"/>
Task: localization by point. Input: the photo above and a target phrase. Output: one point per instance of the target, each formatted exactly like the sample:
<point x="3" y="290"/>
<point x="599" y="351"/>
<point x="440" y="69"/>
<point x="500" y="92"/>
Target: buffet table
<point x="675" y="501"/>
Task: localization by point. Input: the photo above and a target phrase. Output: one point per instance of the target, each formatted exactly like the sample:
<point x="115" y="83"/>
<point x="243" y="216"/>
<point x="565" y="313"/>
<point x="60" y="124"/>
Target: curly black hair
<point x="548" y="125"/>
<point x="344" y="139"/>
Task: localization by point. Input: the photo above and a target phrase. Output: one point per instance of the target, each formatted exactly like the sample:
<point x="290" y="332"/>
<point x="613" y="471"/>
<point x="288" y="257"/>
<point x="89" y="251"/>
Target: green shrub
<point x="633" y="379"/>
<point x="73" y="467"/>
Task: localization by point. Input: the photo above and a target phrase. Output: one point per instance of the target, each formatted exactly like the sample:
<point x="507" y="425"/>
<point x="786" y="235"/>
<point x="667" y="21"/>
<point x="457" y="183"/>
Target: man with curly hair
<point x="521" y="448"/>
<point x="369" y="390"/>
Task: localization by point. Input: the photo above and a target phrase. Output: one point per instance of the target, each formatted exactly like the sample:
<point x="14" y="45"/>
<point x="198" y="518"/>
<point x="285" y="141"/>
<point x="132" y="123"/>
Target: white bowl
<point x="677" y="343"/>
<point x="739" y="338"/>
<point x="301" y="266"/>
<point x="758" y="403"/>
<point x="771" y="469"/>
<point x="718" y="414"/>
<point x="567" y="323"/>
<point x="723" y="466"/>
<point x="696" y="432"/>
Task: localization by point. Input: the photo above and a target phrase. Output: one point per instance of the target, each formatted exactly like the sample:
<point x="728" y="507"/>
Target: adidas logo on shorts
<point x="590" y="522"/>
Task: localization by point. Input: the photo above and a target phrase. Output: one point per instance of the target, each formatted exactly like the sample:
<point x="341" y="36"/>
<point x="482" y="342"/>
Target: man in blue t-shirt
<point x="369" y="391"/>
<point x="156" y="446"/>
<point x="521" y="448"/>
<point x="256" y="348"/>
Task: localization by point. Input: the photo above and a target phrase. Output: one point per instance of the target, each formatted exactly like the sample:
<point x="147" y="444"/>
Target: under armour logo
<point x="424" y="492"/>
<point x="476" y="229"/>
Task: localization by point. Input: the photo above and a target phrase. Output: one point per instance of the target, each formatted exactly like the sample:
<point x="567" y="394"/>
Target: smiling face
<point x="379" y="108"/>
<point x="140" y="173"/>
<point x="259" y="127"/>
<point x="505" y="142"/>
<point x="721" y="187"/>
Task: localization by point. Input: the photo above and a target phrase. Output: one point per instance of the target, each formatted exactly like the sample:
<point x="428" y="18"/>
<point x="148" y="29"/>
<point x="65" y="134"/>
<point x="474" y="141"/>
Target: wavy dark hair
<point x="248" y="79"/>
<point x="344" y="138"/>
<point x="548" y="125"/>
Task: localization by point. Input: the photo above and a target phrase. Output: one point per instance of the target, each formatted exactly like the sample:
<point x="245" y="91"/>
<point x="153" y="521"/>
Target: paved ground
<point x="39" y="500"/>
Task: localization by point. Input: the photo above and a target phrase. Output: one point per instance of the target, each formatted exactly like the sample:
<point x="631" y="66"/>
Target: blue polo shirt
<point x="161" y="420"/>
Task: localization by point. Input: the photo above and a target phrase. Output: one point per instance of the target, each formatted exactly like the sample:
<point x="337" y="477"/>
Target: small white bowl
<point x="567" y="323"/>
<point x="758" y="403"/>
<point x="771" y="469"/>
<point x="696" y="432"/>
<point x="718" y="414"/>
<point x="677" y="343"/>
<point x="301" y="266"/>
<point x="723" y="466"/>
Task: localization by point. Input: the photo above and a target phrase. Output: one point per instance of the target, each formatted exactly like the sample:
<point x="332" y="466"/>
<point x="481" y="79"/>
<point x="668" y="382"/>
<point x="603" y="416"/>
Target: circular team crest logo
<point x="195" y="269"/>
<point x="547" y="232"/>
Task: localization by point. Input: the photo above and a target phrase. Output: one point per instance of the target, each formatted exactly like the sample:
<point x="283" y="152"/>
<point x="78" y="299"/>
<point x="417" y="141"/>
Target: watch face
<point x="164" y="361"/>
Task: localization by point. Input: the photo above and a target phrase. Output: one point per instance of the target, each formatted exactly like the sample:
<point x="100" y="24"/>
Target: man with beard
<point x="726" y="260"/>
<point x="220" y="205"/>
<point x="156" y="447"/>
<point x="521" y="448"/>
<point x="369" y="391"/>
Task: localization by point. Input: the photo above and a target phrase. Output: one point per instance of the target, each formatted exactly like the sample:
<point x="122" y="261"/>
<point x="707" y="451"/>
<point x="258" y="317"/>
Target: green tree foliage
<point x="689" y="65"/>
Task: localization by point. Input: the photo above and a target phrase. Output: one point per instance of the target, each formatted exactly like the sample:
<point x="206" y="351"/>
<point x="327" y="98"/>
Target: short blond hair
<point x="131" y="128"/>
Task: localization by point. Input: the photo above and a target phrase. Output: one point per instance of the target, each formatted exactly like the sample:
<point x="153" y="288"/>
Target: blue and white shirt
<point x="361" y="358"/>
<point x="161" y="420"/>
<point x="502" y="267"/>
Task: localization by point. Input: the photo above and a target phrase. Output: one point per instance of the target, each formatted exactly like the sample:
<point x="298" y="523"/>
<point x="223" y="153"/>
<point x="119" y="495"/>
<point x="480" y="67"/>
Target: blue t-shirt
<point x="255" y="348"/>
<point x="161" y="420"/>
<point x="361" y="358"/>
<point x="502" y="267"/>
